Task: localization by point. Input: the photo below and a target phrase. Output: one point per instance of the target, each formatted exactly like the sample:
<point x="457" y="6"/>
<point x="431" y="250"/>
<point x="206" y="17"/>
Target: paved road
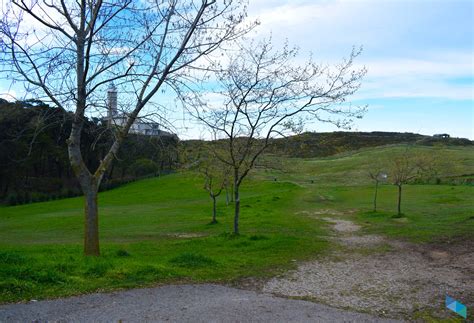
<point x="179" y="303"/>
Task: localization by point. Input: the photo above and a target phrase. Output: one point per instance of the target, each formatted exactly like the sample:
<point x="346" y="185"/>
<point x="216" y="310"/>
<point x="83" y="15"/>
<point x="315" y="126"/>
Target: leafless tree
<point x="229" y="189"/>
<point x="407" y="167"/>
<point x="261" y="94"/>
<point x="215" y="180"/>
<point x="69" y="52"/>
<point x="377" y="176"/>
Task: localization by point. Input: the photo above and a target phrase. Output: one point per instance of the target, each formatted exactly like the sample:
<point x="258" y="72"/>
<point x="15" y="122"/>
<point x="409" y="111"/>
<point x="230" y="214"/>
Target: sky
<point x="418" y="53"/>
<point x="419" y="56"/>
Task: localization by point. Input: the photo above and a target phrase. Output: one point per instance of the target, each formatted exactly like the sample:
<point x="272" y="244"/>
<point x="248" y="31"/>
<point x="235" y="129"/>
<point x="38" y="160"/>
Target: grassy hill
<point x="156" y="230"/>
<point x="432" y="212"/>
<point x="323" y="144"/>
<point x="453" y="165"/>
<point x="152" y="231"/>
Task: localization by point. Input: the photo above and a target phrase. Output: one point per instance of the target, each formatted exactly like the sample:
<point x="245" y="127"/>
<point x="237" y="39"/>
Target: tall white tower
<point x="111" y="102"/>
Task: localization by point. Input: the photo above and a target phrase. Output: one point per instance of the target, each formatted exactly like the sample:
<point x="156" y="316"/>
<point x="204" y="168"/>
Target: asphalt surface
<point x="179" y="303"/>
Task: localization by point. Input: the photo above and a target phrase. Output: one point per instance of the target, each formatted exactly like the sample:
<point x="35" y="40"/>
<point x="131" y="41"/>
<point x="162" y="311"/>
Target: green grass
<point x="352" y="168"/>
<point x="431" y="213"/>
<point x="157" y="231"/>
<point x="153" y="231"/>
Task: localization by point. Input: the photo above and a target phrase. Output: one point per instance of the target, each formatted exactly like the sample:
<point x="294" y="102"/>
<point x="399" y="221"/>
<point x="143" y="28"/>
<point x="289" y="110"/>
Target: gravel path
<point x="363" y="276"/>
<point x="397" y="283"/>
<point x="179" y="303"/>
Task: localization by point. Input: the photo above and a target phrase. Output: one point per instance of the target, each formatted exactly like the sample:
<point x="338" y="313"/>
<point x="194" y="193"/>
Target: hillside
<point x="152" y="231"/>
<point x="452" y="165"/>
<point x="157" y="230"/>
<point x="313" y="144"/>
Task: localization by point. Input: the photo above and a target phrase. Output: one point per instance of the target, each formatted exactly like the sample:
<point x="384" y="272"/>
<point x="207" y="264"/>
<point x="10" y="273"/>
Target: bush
<point x="144" y="167"/>
<point x="20" y="198"/>
<point x="71" y="193"/>
<point x="123" y="253"/>
<point x="13" y="286"/>
<point x="27" y="197"/>
<point x="39" y="197"/>
<point x="98" y="268"/>
<point x="12" y="258"/>
<point x="12" y="199"/>
<point x="192" y="260"/>
<point x="257" y="237"/>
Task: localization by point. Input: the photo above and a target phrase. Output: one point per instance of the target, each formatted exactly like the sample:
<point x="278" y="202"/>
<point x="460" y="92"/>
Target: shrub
<point x="20" y="198"/>
<point x="192" y="260"/>
<point x="97" y="269"/>
<point x="123" y="253"/>
<point x="14" y="286"/>
<point x="12" y="199"/>
<point x="398" y="216"/>
<point x="257" y="237"/>
<point x="47" y="276"/>
<point x="144" y="166"/>
<point x="12" y="258"/>
<point x="26" y="197"/>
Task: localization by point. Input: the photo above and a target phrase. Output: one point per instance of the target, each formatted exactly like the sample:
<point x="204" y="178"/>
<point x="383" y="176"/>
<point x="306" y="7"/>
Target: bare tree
<point x="407" y="167"/>
<point x="215" y="180"/>
<point x="263" y="94"/>
<point x="70" y="52"/>
<point x="229" y="189"/>
<point x="377" y="176"/>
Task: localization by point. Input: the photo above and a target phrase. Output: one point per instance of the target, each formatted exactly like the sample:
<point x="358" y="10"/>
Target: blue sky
<point x="419" y="56"/>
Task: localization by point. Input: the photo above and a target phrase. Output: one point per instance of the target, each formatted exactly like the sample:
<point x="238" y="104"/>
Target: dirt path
<point x="380" y="276"/>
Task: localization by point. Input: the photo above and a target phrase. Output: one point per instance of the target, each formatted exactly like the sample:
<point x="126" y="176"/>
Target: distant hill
<point x="452" y="165"/>
<point x="323" y="144"/>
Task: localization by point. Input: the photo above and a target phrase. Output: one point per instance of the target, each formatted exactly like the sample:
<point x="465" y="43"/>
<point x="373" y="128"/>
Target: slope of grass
<point x="431" y="212"/>
<point x="157" y="230"/>
<point x="152" y="231"/>
<point x="352" y="168"/>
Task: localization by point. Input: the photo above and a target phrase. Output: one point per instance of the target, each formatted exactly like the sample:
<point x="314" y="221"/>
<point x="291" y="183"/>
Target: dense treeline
<point x="34" y="163"/>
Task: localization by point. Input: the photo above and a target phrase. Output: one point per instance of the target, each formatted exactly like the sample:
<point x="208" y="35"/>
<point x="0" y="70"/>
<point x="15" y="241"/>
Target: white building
<point x="140" y="126"/>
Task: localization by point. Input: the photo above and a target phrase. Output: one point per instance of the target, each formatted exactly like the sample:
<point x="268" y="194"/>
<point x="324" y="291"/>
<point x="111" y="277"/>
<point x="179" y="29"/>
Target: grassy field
<point x="152" y="231"/>
<point x="157" y="230"/>
<point x="352" y="168"/>
<point x="431" y="212"/>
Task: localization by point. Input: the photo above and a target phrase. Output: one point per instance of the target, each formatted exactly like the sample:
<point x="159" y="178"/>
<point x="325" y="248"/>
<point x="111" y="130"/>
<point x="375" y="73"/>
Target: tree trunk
<point x="237" y="209"/>
<point x="375" y="197"/>
<point x="227" y="199"/>
<point x="91" y="222"/>
<point x="399" y="199"/>
<point x="214" y="209"/>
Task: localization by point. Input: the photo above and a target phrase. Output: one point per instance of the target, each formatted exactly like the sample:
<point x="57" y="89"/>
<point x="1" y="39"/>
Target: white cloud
<point x="417" y="78"/>
<point x="398" y="65"/>
<point x="38" y="32"/>
<point x="444" y="65"/>
<point x="9" y="95"/>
